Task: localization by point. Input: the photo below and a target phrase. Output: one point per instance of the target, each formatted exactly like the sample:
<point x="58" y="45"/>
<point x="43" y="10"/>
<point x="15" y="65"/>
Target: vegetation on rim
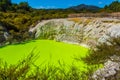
<point x="103" y="51"/>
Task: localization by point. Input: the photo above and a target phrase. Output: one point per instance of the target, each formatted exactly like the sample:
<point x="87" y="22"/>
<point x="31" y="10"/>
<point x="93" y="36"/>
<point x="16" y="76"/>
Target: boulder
<point x="111" y="69"/>
<point x="3" y="34"/>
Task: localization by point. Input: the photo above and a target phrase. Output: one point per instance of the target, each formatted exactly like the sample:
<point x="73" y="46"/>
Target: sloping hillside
<point x="85" y="7"/>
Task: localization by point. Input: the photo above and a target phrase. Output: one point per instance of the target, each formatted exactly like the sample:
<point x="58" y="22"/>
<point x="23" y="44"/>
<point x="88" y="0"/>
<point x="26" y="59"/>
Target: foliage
<point x="14" y="24"/>
<point x="103" y="51"/>
<point x="24" y="71"/>
<point x="113" y="7"/>
<point x="24" y="5"/>
<point x="5" y="4"/>
<point x="16" y="72"/>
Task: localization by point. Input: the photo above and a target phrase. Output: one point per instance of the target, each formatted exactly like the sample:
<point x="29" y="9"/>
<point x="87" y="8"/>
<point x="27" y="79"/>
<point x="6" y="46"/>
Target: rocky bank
<point x="78" y="30"/>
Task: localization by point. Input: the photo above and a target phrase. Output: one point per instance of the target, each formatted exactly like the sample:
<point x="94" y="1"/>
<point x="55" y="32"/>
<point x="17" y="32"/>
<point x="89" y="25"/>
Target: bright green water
<point x="49" y="52"/>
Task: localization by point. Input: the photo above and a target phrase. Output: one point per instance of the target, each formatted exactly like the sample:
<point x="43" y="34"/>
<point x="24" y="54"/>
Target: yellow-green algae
<point x="50" y="52"/>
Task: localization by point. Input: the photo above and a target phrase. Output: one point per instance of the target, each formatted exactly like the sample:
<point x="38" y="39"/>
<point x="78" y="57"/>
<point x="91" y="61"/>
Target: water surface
<point x="49" y="52"/>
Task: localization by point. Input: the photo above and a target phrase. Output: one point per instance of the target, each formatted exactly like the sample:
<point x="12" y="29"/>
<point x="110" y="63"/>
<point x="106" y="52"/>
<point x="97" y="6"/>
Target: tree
<point x="24" y="6"/>
<point x="114" y="6"/>
<point x="5" y="4"/>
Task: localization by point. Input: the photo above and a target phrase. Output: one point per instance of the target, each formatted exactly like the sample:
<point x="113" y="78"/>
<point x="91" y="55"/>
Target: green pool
<point x="50" y="52"/>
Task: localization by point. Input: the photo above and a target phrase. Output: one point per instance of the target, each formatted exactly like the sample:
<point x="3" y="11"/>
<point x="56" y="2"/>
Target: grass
<point x="50" y="53"/>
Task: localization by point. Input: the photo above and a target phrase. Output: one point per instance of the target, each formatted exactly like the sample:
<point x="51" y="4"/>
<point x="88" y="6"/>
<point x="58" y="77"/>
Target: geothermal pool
<point x="48" y="51"/>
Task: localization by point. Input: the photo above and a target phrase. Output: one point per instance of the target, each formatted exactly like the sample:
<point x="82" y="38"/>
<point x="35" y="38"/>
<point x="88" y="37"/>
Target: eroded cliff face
<point x="77" y="30"/>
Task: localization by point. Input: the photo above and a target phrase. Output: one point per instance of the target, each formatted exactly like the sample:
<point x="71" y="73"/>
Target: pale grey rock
<point x="115" y="58"/>
<point x="114" y="30"/>
<point x="111" y="67"/>
<point x="3" y="34"/>
<point x="94" y="31"/>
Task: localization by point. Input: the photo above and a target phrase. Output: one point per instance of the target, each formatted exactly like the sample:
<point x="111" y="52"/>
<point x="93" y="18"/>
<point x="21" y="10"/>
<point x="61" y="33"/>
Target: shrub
<point x="24" y="71"/>
<point x="103" y="51"/>
<point x="16" y="72"/>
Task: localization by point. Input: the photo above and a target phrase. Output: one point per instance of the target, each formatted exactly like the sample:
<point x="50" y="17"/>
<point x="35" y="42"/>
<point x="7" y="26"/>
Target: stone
<point x="3" y="34"/>
<point x="111" y="67"/>
<point x="96" y="29"/>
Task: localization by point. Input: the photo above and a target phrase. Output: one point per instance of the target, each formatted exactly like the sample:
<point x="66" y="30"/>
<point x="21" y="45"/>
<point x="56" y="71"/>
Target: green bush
<point x="16" y="72"/>
<point x="104" y="51"/>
